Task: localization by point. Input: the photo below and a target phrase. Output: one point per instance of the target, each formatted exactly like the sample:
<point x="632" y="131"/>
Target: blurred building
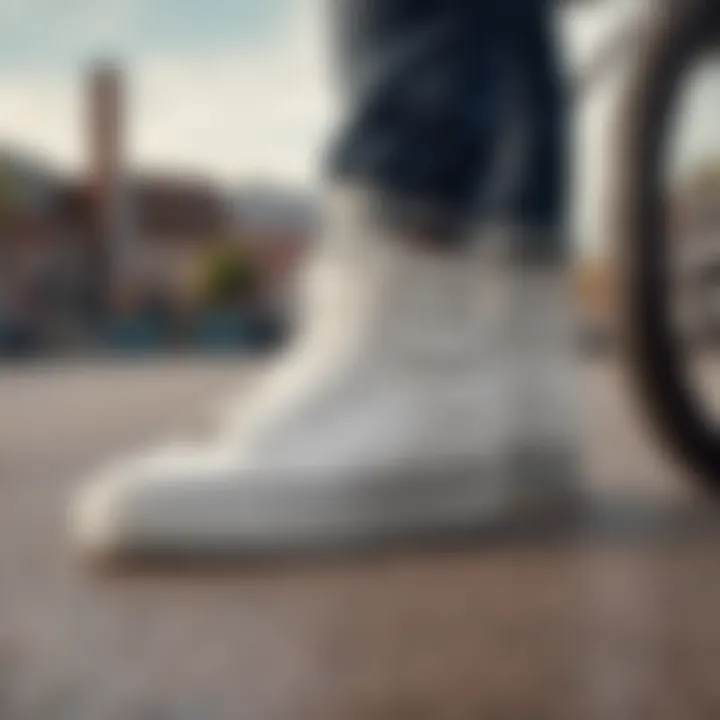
<point x="114" y="240"/>
<point x="43" y="251"/>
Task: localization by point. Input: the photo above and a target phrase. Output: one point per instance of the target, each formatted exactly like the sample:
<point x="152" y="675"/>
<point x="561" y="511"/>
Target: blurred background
<point x="156" y="173"/>
<point x="160" y="169"/>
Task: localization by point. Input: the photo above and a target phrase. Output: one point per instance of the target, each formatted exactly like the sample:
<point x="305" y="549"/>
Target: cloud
<point x="258" y="110"/>
<point x="42" y="115"/>
<point x="261" y="111"/>
<point x="48" y="33"/>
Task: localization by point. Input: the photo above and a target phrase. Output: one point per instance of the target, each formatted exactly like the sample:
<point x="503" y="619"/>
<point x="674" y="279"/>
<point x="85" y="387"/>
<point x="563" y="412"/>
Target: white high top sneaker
<point x="392" y="415"/>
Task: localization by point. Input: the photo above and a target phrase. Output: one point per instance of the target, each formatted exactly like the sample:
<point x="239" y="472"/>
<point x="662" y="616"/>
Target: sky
<point x="35" y="32"/>
<point x="239" y="89"/>
<point x="232" y="86"/>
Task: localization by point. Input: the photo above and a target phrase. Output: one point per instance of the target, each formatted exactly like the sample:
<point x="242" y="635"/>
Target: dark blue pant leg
<point x="432" y="92"/>
<point x="421" y="98"/>
<point x="542" y="189"/>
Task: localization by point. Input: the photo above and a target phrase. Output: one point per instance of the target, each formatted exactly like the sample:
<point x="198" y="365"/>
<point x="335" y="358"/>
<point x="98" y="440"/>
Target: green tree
<point x="227" y="278"/>
<point x="8" y="195"/>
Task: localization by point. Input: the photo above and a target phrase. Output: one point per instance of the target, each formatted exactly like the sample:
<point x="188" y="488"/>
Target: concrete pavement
<point x="615" y="620"/>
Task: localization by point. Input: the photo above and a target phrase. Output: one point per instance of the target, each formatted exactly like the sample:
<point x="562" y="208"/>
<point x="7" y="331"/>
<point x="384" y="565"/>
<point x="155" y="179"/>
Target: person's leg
<point x="541" y="320"/>
<point x="540" y="197"/>
<point x="426" y="90"/>
<point x="390" y="415"/>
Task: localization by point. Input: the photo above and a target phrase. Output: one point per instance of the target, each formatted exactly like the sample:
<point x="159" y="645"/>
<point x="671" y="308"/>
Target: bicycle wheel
<point x="657" y="365"/>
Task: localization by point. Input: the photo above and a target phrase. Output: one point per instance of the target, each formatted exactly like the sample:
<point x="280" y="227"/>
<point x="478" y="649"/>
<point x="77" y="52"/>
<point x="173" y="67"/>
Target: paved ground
<point x="615" y="620"/>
